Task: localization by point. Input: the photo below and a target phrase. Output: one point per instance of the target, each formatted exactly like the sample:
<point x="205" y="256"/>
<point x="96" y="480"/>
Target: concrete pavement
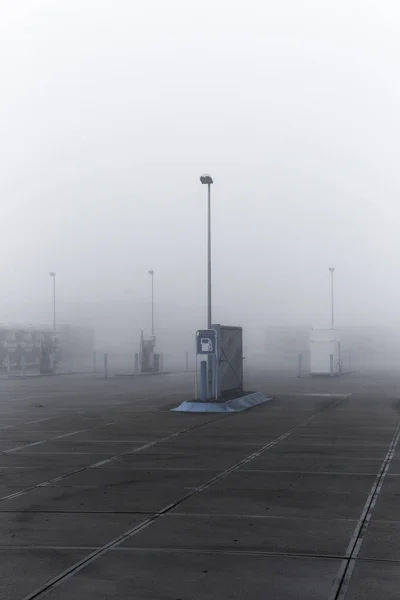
<point x="105" y="494"/>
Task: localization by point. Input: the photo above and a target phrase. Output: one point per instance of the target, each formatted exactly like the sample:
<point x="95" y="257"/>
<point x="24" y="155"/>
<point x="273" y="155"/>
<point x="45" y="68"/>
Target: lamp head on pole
<point x="207" y="179"/>
<point x="52" y="274"/>
<point x="331" y="269"/>
<point x="151" y="272"/>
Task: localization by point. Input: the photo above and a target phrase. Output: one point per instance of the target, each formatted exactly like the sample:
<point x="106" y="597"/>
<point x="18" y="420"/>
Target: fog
<point x="111" y="110"/>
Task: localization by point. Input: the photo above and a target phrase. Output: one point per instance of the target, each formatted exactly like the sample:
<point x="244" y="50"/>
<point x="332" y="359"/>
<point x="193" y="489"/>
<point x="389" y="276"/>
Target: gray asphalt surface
<point x="105" y="494"/>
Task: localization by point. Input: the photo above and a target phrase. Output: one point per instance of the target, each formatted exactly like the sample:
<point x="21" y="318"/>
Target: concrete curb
<point x="140" y="374"/>
<point x="33" y="375"/>
<point x="235" y="405"/>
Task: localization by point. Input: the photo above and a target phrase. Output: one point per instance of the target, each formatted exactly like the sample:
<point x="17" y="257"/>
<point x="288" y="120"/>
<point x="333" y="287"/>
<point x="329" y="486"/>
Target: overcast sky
<point x="111" y="109"/>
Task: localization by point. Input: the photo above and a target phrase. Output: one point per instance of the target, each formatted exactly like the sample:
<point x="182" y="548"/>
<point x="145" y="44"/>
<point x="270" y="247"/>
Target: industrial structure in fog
<point x="365" y="348"/>
<point x="22" y="343"/>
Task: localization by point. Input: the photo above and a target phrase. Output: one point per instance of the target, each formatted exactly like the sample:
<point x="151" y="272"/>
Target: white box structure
<point x="325" y="343"/>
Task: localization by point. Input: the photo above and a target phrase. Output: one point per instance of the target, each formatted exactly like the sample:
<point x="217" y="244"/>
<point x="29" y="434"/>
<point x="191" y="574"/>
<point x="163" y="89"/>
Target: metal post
<point x="207" y="179"/>
<point x="136" y="362"/>
<point x="187" y="361"/>
<point x="209" y="319"/>
<point x="195" y="382"/>
<point x="350" y="361"/>
<point x="141" y="352"/>
<point x="54" y="303"/>
<point x="161" y="362"/>
<point x="151" y="272"/>
<point x="23" y="365"/>
<point x="8" y="365"/>
<point x="332" y="270"/>
<point x="209" y="315"/>
<point x="331" y="365"/>
<point x="94" y="363"/>
<point x="53" y="275"/>
<point x="203" y="379"/>
<point x="152" y="304"/>
<point x="299" y="364"/>
<point x="106" y="365"/>
<point x="216" y="375"/>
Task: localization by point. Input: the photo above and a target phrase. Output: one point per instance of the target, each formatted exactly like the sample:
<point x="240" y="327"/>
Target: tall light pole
<point x="332" y="270"/>
<point x="151" y="272"/>
<point x="207" y="180"/>
<point x="53" y="275"/>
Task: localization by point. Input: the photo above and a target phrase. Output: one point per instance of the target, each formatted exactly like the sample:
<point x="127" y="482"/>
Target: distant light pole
<point x="207" y="180"/>
<point x="151" y="272"/>
<point x="53" y="275"/>
<point x="332" y="270"/>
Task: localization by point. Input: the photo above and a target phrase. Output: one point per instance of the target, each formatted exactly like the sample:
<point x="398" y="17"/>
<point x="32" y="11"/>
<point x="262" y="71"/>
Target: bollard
<point x="331" y="365"/>
<point x="299" y="364"/>
<point x="105" y="365"/>
<point x="136" y="362"/>
<point x="203" y="380"/>
<point x="94" y="363"/>
<point x="187" y="361"/>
